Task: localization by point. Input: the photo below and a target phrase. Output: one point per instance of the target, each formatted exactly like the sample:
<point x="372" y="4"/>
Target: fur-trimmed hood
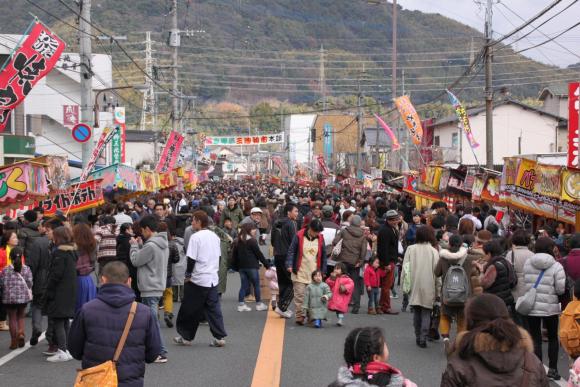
<point x="67" y="247"/>
<point x="496" y="355"/>
<point x="453" y="257"/>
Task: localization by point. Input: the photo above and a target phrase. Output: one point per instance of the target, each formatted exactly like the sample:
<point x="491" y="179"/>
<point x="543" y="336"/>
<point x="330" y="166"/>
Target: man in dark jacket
<point x="98" y="327"/>
<point x="28" y="233"/>
<point x="38" y="259"/>
<point x="388" y="250"/>
<point x="283" y="231"/>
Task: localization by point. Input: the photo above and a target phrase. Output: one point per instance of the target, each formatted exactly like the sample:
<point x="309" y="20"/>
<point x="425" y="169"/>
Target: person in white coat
<point x="546" y="307"/>
<point x="422" y="259"/>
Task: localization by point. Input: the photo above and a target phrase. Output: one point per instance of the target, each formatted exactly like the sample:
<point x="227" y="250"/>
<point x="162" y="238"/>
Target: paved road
<point x="310" y="356"/>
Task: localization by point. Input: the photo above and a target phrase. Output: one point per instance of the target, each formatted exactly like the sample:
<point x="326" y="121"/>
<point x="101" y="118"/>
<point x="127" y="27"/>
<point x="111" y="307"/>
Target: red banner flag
<point x="322" y="165"/>
<point x="389" y="132"/>
<point x="106" y="136"/>
<point x="170" y="152"/>
<point x="278" y="161"/>
<point x="28" y="64"/>
<point x="573" y="124"/>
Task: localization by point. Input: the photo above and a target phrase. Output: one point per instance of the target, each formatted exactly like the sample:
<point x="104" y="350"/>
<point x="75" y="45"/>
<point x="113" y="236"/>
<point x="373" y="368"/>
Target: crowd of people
<point x="321" y="250"/>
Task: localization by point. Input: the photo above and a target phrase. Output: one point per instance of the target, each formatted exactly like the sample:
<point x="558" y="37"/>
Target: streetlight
<point x="96" y="105"/>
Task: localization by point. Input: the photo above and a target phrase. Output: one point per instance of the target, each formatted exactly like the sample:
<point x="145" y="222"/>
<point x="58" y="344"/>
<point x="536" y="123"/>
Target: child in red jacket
<point x="373" y="277"/>
<point x="342" y="286"/>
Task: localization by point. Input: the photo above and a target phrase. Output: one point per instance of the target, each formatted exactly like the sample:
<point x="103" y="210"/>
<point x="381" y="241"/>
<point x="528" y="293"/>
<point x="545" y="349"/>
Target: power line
<point x="549" y="40"/>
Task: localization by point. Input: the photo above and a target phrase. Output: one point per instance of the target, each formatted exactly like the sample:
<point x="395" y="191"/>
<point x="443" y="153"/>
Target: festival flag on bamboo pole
<point x="411" y="118"/>
<point x="389" y="132"/>
<point x="463" y="119"/>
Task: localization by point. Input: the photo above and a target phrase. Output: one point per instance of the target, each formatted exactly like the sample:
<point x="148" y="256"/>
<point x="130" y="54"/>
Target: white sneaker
<point x="69" y="355"/>
<point x="287" y="314"/>
<point x="59" y="357"/>
<point x="340" y="322"/>
<point x="217" y="342"/>
<point x="446" y="345"/>
<point x="181" y="341"/>
<point x="260" y="307"/>
<point x="244" y="308"/>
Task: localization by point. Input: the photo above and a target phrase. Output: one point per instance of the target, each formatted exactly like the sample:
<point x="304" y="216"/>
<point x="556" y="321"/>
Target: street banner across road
<point x="170" y="152"/>
<point x="29" y="63"/>
<point x="573" y="124"/>
<point x="259" y="139"/>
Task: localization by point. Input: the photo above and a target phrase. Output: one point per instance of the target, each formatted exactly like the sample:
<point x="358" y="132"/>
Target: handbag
<point x="25" y="284"/>
<point x="525" y="303"/>
<point x="337" y="249"/>
<point x="105" y="374"/>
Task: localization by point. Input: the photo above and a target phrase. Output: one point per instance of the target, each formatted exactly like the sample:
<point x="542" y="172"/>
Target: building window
<point x="436" y="141"/>
<point x="455" y="140"/>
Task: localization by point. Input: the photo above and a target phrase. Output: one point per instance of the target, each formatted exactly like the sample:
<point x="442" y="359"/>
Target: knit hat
<point x="483" y="236"/>
<point x="355" y="220"/>
<point x="392" y="214"/>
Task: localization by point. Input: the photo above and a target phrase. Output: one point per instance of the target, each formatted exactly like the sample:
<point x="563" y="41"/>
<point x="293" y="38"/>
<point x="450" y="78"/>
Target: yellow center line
<point x="269" y="363"/>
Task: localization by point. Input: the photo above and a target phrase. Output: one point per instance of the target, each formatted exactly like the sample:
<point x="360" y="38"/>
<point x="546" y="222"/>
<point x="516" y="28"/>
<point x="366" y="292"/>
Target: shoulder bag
<point x="525" y="303"/>
<point x="105" y="374"/>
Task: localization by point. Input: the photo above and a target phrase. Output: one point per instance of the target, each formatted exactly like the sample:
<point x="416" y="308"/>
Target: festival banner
<point x="463" y="119"/>
<point x="29" y="63"/>
<point x="389" y="132"/>
<point x="106" y="136"/>
<point x="509" y="175"/>
<point x="490" y="191"/>
<point x="119" y="139"/>
<point x="548" y="181"/>
<point x="322" y="164"/>
<point x="170" y="152"/>
<point x="278" y="161"/>
<point x="410" y="117"/>
<point x="526" y="178"/>
<point x="70" y="115"/>
<point x="20" y="181"/>
<point x="477" y="188"/>
<point x="573" y="124"/>
<point x="89" y="195"/>
<point x="259" y="139"/>
<point x="571" y="185"/>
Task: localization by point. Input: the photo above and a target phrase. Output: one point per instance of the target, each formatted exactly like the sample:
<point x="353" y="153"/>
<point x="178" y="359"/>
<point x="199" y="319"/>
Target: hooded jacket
<point x="151" y="263"/>
<point x="551" y="285"/>
<point x="494" y="364"/>
<point x="518" y="257"/>
<point x="98" y="326"/>
<point x="236" y="215"/>
<point x="26" y="237"/>
<point x="354" y="245"/>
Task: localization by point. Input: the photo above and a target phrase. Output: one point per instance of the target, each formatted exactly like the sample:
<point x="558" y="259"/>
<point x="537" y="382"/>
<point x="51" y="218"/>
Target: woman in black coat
<point x="123" y="255"/>
<point x="61" y="288"/>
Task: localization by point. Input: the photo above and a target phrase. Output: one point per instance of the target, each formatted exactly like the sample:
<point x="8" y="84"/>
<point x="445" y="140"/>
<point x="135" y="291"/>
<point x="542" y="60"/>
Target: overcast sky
<point x="472" y="13"/>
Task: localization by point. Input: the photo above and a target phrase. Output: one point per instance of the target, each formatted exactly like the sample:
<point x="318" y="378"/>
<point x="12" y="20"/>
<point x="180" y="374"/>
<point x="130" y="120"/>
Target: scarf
<point x="373" y="368"/>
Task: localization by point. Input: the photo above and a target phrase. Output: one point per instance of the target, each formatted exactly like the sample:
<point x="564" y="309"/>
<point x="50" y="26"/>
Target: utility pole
<point x="322" y="78"/>
<point x="148" y="112"/>
<point x="359" y="129"/>
<point x="175" y="42"/>
<point x="86" y="74"/>
<point x="394" y="67"/>
<point x="488" y="88"/>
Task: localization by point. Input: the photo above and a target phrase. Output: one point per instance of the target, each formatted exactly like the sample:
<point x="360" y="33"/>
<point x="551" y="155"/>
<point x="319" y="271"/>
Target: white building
<point x="517" y="129"/>
<point x="41" y="114"/>
<point x="298" y="127"/>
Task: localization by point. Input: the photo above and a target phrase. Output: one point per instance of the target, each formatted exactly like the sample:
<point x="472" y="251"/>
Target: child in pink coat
<point x="342" y="286"/>
<point x="272" y="278"/>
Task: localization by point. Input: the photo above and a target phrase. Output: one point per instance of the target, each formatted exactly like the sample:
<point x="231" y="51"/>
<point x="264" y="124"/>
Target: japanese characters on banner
<point x="573" y="124"/>
<point x="119" y="138"/>
<point x="170" y="152"/>
<point x="508" y="176"/>
<point x="389" y="132"/>
<point x="463" y="119"/>
<point x="260" y="139"/>
<point x="70" y="115"/>
<point x="89" y="195"/>
<point x="548" y="181"/>
<point x="21" y="182"/>
<point x="322" y="164"/>
<point x="103" y="140"/>
<point x="35" y="58"/>
<point x="410" y="117"/>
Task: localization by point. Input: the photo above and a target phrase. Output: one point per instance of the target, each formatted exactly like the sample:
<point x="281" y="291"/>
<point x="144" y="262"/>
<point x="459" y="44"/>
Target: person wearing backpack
<point x="552" y="282"/>
<point x="454" y="268"/>
<point x="569" y="325"/>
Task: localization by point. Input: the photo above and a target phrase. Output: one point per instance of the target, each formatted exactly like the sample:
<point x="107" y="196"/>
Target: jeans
<point x="422" y="322"/>
<point x="249" y="276"/>
<point x="59" y="328"/>
<point x="153" y="304"/>
<point x="285" y="285"/>
<point x="199" y="303"/>
<point x="551" y="324"/>
<point x="374" y="297"/>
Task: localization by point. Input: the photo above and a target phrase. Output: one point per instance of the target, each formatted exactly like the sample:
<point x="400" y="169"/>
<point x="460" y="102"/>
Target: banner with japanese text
<point x="20" y="182"/>
<point x="322" y="165"/>
<point x="30" y="62"/>
<point x="106" y="136"/>
<point x="548" y="181"/>
<point x="170" y="152"/>
<point x="463" y="119"/>
<point x="259" y="139"/>
<point x="573" y="125"/>
<point x="70" y="115"/>
<point x="119" y="138"/>
<point x="89" y="195"/>
<point x="410" y="118"/>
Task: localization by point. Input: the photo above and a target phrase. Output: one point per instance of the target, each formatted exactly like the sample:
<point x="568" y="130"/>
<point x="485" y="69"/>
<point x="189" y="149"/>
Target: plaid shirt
<point x="107" y="244"/>
<point x="14" y="289"/>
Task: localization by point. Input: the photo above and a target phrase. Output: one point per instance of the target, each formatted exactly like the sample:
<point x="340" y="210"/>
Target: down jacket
<point x="518" y="257"/>
<point x="552" y="284"/>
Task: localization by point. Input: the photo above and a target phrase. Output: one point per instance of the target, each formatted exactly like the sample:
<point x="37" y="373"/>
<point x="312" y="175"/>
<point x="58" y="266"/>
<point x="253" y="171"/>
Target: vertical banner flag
<point x="118" y="142"/>
<point x="573" y="124"/>
<point x="411" y="118"/>
<point x="106" y="136"/>
<point x="389" y="132"/>
<point x="170" y="152"/>
<point x="322" y="165"/>
<point x="29" y="63"/>
<point x="278" y="161"/>
<point x="463" y="119"/>
<point x="327" y="136"/>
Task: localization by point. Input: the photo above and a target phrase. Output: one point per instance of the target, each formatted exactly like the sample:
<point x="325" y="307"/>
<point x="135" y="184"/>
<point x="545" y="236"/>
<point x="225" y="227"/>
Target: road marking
<point x="269" y="362"/>
<point x="10" y="356"/>
<point x="562" y="382"/>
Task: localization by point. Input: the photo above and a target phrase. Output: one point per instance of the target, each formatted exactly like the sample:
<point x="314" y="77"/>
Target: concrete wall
<point x="538" y="134"/>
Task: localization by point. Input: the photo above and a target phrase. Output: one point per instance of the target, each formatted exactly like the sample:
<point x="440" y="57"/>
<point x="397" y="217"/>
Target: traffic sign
<point x="81" y="132"/>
